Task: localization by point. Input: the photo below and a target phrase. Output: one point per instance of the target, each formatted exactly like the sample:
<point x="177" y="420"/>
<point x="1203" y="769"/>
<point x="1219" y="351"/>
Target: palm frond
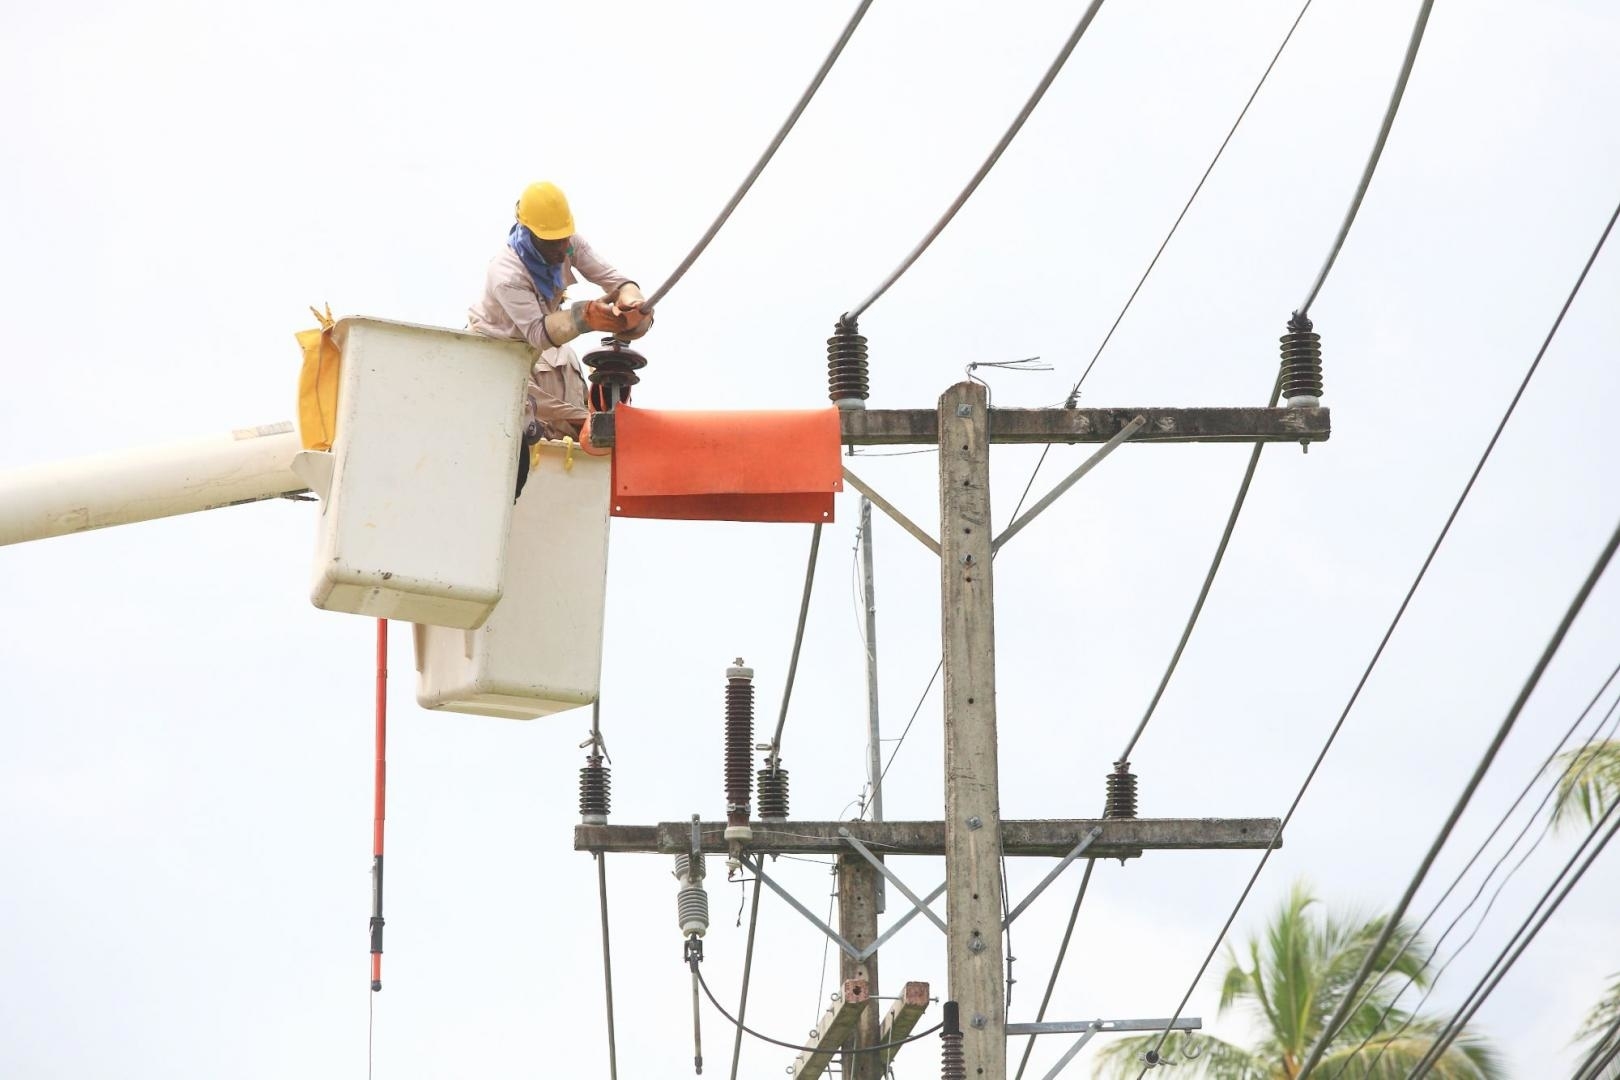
<point x="1589" y="785"/>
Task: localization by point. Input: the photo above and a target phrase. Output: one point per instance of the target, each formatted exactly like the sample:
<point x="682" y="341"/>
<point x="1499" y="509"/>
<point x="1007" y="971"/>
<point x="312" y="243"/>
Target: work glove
<point x="603" y="317"/>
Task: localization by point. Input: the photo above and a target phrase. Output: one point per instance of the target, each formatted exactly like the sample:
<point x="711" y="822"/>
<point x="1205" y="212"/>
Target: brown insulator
<point x="613" y="373"/>
<point x="595" y="791"/>
<point x="739" y="743"/>
<point x="846" y="367"/>
<point x="773" y="793"/>
<point x="952" y="1065"/>
<point x="1121" y="801"/>
<point x="1301" y="364"/>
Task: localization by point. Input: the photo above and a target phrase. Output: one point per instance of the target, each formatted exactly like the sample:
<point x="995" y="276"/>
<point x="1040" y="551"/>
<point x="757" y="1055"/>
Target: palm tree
<point x="1295" y="976"/>
<point x="1588" y="787"/>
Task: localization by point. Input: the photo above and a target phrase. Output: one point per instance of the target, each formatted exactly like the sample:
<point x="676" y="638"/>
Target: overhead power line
<point x="984" y="170"/>
<point x="1372" y="159"/>
<point x="1341" y="1015"/>
<point x="1400" y="611"/>
<point x="764" y="159"/>
<point x="1479" y="852"/>
<point x="1333" y="254"/>
<point x="1522" y="937"/>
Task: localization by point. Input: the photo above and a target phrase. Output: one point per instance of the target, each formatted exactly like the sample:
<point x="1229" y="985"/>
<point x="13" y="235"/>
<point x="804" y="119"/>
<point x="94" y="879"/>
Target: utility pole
<point x="972" y="837"/>
<point x="972" y="793"/>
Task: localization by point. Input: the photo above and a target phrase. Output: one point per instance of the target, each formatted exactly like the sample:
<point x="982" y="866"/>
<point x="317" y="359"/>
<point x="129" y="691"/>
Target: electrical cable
<point x="1074" y="393"/>
<point x="1052" y="70"/>
<point x="1472" y="934"/>
<point x="1603" y="1052"/>
<point x="1504" y="962"/>
<point x="1372" y="159"/>
<point x="1534" y="816"/>
<point x="607" y="965"/>
<point x="1057" y="965"/>
<point x="1355" y="694"/>
<point x="764" y="159"/>
<point x="1341" y="1015"/>
<point x="1203" y="591"/>
<point x="798" y="640"/>
<point x="748" y="968"/>
<point x="901" y="741"/>
<point x="721" y="1009"/>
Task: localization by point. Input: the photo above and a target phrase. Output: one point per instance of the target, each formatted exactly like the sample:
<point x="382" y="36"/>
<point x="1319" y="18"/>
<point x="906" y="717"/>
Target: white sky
<point x="185" y="796"/>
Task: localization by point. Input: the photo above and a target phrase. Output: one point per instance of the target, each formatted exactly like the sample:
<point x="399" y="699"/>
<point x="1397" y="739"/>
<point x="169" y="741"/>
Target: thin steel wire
<point x="1372" y="159"/>
<point x="1331" y="1029"/>
<point x="1075" y="393"/>
<point x="1479" y="852"/>
<point x="1472" y="934"/>
<point x="607" y="964"/>
<point x="1057" y="965"/>
<point x="1355" y="694"/>
<point x="1603" y="1052"/>
<point x="748" y="968"/>
<point x="984" y="169"/>
<point x="798" y="640"/>
<point x="1504" y="962"/>
<point x="1341" y="1015"/>
<point x="764" y="159"/>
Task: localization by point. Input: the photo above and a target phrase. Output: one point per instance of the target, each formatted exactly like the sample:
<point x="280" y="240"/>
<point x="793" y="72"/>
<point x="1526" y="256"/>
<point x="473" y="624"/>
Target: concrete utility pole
<point x="972" y="794"/>
<point x="972" y="837"/>
<point x="858" y="923"/>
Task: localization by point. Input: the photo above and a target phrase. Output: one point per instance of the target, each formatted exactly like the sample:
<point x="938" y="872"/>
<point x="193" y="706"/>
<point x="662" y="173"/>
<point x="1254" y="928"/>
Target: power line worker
<point x="525" y="299"/>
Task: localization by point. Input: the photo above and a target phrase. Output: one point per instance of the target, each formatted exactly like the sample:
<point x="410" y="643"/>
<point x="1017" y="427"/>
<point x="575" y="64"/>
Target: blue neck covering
<point x="547" y="278"/>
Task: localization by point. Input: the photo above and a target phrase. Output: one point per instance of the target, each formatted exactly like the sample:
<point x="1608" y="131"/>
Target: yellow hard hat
<point x="543" y="210"/>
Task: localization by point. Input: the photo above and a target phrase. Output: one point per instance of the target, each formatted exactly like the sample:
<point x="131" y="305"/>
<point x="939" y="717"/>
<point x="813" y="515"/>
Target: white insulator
<point x="692" y="902"/>
<point x="693" y="910"/>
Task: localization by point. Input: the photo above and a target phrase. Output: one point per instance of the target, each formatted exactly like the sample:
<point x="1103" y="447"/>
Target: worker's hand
<point x="637" y="322"/>
<point x="603" y="317"/>
<point x="629" y="297"/>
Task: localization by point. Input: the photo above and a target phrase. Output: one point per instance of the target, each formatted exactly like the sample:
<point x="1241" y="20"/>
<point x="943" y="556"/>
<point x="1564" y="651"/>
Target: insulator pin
<point x="846" y="367"/>
<point x="1301" y="365"/>
<point x="595" y="791"/>
<point x="773" y="793"/>
<point x="1121" y="801"/>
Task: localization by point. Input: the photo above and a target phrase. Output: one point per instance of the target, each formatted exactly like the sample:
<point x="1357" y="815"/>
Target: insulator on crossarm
<point x="846" y="366"/>
<point x="691" y="902"/>
<point x="952" y="1065"/>
<point x="595" y="791"/>
<point x="739" y="749"/>
<point x="1301" y="365"/>
<point x="773" y="793"/>
<point x="1121" y="801"/>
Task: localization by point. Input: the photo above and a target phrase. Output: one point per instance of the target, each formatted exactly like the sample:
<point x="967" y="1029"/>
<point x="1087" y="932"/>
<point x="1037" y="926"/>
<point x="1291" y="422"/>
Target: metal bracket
<point x="889" y="508"/>
<point x="1063" y="864"/>
<point x="756" y="865"/>
<point x="1088" y="1028"/>
<point x="1067" y="482"/>
<point x="866" y="853"/>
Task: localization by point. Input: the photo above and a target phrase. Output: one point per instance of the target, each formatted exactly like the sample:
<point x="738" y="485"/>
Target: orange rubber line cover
<point x="726" y="466"/>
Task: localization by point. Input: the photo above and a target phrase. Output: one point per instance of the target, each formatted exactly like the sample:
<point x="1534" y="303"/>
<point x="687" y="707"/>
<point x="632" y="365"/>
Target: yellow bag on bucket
<point x="318" y="383"/>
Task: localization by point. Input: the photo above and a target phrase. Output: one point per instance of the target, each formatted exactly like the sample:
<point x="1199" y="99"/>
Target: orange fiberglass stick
<point x="381" y="789"/>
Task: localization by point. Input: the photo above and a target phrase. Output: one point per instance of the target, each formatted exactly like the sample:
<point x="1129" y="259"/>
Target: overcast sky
<point x="185" y="796"/>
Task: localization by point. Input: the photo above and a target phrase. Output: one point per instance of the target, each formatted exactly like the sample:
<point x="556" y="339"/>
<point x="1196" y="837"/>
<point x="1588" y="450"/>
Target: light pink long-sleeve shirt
<point x="512" y="309"/>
